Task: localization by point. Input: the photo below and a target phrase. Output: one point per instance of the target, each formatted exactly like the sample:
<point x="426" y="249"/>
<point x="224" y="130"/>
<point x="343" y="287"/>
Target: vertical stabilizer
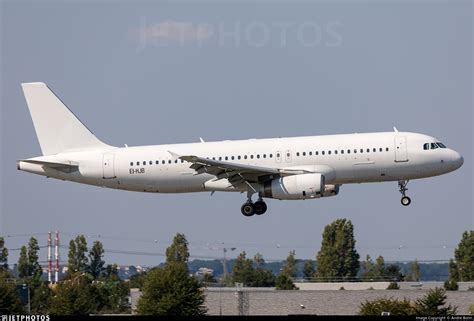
<point x="57" y="128"/>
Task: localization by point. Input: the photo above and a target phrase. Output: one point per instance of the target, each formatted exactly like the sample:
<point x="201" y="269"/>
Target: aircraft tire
<point x="405" y="201"/>
<point x="260" y="207"/>
<point x="248" y="209"/>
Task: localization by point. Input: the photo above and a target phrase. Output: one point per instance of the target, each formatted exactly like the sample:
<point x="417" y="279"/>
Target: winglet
<point x="395" y="129"/>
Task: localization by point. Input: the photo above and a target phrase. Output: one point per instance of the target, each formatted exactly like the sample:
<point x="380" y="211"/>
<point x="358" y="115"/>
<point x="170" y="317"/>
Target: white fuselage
<point x="342" y="159"/>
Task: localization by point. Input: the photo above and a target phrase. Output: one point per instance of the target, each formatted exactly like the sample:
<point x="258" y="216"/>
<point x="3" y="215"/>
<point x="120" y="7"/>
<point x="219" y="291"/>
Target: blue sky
<point x="142" y="73"/>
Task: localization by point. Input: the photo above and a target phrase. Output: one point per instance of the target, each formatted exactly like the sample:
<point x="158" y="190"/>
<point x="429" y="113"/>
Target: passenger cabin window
<point x="131" y="163"/>
<point x="374" y="150"/>
<point x="245" y="156"/>
<point x="386" y="149"/>
<point x="323" y="152"/>
<point x="271" y="155"/>
<point x="380" y="149"/>
<point x="297" y="154"/>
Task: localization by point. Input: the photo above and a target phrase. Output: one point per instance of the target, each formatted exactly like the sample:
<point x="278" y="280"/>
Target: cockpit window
<point x="426" y="146"/>
<point x="441" y="145"/>
<point x="434" y="146"/>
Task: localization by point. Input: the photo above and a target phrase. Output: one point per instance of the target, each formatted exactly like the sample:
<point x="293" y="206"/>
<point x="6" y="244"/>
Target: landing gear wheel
<point x="406" y="201"/>
<point x="248" y="209"/>
<point x="260" y="207"/>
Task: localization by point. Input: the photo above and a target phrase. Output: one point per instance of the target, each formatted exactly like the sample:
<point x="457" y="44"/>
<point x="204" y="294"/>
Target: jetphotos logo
<point x="18" y="317"/>
<point x="251" y="34"/>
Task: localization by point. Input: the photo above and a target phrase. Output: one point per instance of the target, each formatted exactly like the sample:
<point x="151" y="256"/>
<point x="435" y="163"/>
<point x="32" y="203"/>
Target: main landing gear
<point x="249" y="208"/>
<point x="403" y="188"/>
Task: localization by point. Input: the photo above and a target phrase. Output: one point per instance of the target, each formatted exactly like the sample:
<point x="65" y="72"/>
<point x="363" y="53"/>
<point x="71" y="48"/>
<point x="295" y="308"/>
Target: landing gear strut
<point x="403" y="188"/>
<point x="249" y="208"/>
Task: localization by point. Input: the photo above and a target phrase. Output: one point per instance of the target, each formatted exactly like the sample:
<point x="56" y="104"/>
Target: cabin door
<point x="108" y="167"/>
<point x="401" y="154"/>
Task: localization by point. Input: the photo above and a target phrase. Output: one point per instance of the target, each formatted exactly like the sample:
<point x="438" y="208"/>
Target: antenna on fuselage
<point x="202" y="140"/>
<point x="395" y="129"/>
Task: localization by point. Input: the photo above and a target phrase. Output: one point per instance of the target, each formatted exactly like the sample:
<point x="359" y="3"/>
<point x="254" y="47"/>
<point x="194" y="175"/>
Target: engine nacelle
<point x="295" y="187"/>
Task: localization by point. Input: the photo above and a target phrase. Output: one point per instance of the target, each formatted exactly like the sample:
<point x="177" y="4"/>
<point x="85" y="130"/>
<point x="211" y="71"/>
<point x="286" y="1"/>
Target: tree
<point x="170" y="290"/>
<point x="308" y="269"/>
<point x="9" y="301"/>
<point x="28" y="265"/>
<point x="258" y="260"/>
<point x="112" y="292"/>
<point x="415" y="273"/>
<point x="77" y="259"/>
<point x="433" y="304"/>
<point x="3" y="255"/>
<point x="96" y="263"/>
<point x="261" y="277"/>
<point x="393" y="273"/>
<point x="337" y="257"/>
<point x="393" y="306"/>
<point x="284" y="282"/>
<point x="178" y="251"/>
<point x="41" y="299"/>
<point x="243" y="271"/>
<point x="35" y="270"/>
<point x="379" y="268"/>
<point x="289" y="268"/>
<point x="451" y="284"/>
<point x="74" y="296"/>
<point x="23" y="268"/>
<point x="464" y="256"/>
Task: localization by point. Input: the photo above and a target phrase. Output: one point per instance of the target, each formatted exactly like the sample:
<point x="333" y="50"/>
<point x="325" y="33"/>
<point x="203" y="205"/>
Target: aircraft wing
<point x="237" y="174"/>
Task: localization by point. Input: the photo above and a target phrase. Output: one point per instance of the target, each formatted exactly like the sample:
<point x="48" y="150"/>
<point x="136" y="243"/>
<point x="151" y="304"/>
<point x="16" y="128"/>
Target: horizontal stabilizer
<point x="67" y="167"/>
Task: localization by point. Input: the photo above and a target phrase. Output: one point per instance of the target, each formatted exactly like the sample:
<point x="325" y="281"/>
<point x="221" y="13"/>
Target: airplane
<point x="295" y="168"/>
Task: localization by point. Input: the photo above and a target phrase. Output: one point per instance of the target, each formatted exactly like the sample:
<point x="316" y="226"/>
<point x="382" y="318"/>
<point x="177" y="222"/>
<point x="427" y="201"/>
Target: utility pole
<point x="224" y="262"/>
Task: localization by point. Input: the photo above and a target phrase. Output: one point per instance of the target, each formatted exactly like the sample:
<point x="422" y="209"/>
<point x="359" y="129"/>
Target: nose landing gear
<point x="403" y="188"/>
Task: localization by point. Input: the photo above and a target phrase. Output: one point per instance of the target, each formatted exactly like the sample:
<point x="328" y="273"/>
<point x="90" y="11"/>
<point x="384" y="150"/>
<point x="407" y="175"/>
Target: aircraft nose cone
<point x="458" y="160"/>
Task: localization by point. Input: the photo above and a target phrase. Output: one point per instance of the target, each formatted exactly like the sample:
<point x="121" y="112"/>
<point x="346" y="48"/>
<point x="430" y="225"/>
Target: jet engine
<point x="295" y="187"/>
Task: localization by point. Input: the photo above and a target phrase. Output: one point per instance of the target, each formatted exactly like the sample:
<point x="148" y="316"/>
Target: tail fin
<point x="57" y="128"/>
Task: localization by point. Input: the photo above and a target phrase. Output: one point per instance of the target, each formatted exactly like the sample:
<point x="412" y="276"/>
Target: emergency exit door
<point x="401" y="154"/>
